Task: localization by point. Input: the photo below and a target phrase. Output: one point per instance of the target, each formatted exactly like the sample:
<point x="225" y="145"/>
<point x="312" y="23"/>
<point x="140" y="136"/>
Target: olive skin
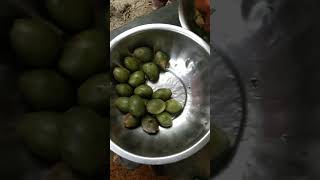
<point x="121" y="74"/>
<point x="151" y="70"/>
<point x="144" y="54"/>
<point x="124" y="90"/>
<point x="83" y="135"/>
<point x="143" y="91"/>
<point x="95" y="93"/>
<point x="137" y="78"/>
<point x="46" y="89"/>
<point x="150" y="124"/>
<point x="136" y="106"/>
<point x="122" y="103"/>
<point x="40" y="133"/>
<point x="173" y="106"/>
<point x="164" y="119"/>
<point x="71" y="15"/>
<point x="131" y="63"/>
<point x="129" y="121"/>
<point x="163" y="94"/>
<point x="85" y="55"/>
<point x="156" y="106"/>
<point x="162" y="60"/>
<point x="35" y="43"/>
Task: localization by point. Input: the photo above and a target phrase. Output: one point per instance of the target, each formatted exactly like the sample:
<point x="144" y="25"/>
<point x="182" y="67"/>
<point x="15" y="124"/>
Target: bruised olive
<point x="150" y="124"/>
<point x="136" y="78"/>
<point x="130" y="121"/>
<point x="124" y="90"/>
<point x="156" y="106"/>
<point x="163" y="93"/>
<point x="144" y="91"/>
<point x="144" y="54"/>
<point x="151" y="70"/>
<point x="121" y="74"/>
<point x="173" y="106"/>
<point x="161" y="59"/>
<point x="165" y="119"/>
<point x="122" y="103"/>
<point x="131" y="63"/>
<point x="136" y="106"/>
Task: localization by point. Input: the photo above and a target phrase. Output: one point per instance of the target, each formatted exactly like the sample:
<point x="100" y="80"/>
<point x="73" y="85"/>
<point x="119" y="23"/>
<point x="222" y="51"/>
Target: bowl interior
<point x="186" y="77"/>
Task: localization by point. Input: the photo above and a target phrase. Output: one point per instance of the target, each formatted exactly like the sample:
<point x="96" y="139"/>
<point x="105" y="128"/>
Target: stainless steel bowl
<point x="188" y="79"/>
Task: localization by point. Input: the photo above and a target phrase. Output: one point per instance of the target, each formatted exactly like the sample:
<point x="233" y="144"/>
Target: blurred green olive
<point x="173" y="106"/>
<point x="136" y="106"/>
<point x="137" y="78"/>
<point x="151" y="70"/>
<point x="121" y="74"/>
<point x="156" y="106"/>
<point x="144" y="54"/>
<point x="164" y="119"/>
<point x="124" y="90"/>
<point x="144" y="91"/>
<point x="163" y="93"/>
<point x="131" y="63"/>
<point x="122" y="103"/>
<point x="162" y="60"/>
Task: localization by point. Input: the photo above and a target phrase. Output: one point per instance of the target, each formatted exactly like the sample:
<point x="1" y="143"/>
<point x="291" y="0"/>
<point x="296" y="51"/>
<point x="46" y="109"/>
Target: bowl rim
<point x="192" y="149"/>
<point x="182" y="18"/>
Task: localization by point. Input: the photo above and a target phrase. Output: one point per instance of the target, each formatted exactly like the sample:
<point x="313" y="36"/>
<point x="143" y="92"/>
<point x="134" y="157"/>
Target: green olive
<point x="124" y="90"/>
<point x="136" y="106"/>
<point x="165" y="119"/>
<point x="144" y="91"/>
<point x="130" y="121"/>
<point x="131" y="63"/>
<point x="173" y="106"/>
<point x="161" y="59"/>
<point x="163" y="93"/>
<point x="150" y="124"/>
<point x="151" y="70"/>
<point x="145" y="54"/>
<point x="136" y="79"/>
<point x="122" y="103"/>
<point x="145" y="101"/>
<point x="156" y="106"/>
<point x="121" y="74"/>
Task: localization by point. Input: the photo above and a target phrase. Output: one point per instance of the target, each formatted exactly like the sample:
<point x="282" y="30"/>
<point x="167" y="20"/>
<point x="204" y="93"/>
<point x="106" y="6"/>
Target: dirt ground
<point x="124" y="11"/>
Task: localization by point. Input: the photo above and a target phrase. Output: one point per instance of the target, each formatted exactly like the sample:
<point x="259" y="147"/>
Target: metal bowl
<point x="187" y="77"/>
<point x="186" y="18"/>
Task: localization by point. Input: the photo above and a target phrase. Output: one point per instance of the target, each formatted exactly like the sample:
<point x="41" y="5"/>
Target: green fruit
<point x="162" y="93"/>
<point x="131" y="63"/>
<point x="145" y="101"/>
<point x="136" y="78"/>
<point x="83" y="140"/>
<point x="161" y="59"/>
<point x="151" y="70"/>
<point x="136" y="106"/>
<point x="124" y="90"/>
<point x="173" y="106"/>
<point x="39" y="131"/>
<point x="150" y="124"/>
<point x="156" y="106"/>
<point x="85" y="55"/>
<point x="144" y="54"/>
<point x="130" y="121"/>
<point x="121" y="74"/>
<point x="45" y="89"/>
<point x="144" y="91"/>
<point x="122" y="103"/>
<point x="72" y="15"/>
<point x="220" y="142"/>
<point x="95" y="93"/>
<point x="34" y="42"/>
<point x="61" y="172"/>
<point x="165" y="119"/>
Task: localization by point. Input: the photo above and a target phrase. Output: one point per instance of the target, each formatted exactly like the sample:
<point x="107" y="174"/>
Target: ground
<point x="124" y="11"/>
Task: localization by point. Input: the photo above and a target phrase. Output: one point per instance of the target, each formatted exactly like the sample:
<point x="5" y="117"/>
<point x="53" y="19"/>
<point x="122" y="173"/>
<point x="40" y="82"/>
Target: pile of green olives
<point x="65" y="85"/>
<point x="141" y="105"/>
